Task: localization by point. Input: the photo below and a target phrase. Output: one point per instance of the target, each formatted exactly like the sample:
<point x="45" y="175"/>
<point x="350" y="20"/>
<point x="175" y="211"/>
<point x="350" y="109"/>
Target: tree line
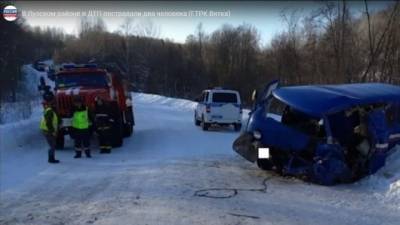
<point x="21" y="44"/>
<point x="330" y="45"/>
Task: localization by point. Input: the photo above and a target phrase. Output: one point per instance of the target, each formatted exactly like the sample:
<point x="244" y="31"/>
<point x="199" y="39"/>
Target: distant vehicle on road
<point x="218" y="107"/>
<point x="51" y="73"/>
<point x="323" y="133"/>
<point x="40" y="66"/>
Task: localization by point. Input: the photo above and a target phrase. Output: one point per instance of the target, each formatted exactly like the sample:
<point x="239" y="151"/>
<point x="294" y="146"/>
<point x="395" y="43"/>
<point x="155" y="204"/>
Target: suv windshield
<point x="224" y="97"/>
<point x="81" y="79"/>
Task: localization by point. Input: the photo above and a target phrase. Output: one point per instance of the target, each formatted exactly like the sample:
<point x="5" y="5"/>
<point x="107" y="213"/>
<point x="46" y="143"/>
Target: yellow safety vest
<point x="43" y="125"/>
<point x="80" y="119"/>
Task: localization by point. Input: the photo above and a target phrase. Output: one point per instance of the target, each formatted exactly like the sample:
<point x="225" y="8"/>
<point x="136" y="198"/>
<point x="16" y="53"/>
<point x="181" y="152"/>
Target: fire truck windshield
<point x="81" y="79"/>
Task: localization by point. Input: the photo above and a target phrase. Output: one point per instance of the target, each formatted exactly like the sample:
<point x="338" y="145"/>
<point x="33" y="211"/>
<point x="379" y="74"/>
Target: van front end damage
<point x="327" y="144"/>
<point x="327" y="166"/>
<point x="246" y="146"/>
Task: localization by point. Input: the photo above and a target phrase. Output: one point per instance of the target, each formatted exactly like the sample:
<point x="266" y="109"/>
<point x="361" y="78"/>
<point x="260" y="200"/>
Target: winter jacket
<point x="49" y="122"/>
<point x="103" y="115"/>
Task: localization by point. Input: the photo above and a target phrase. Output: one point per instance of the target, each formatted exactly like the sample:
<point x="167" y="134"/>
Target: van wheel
<point x="60" y="140"/>
<point x="196" y="121"/>
<point x="204" y="125"/>
<point x="237" y="126"/>
<point x="264" y="164"/>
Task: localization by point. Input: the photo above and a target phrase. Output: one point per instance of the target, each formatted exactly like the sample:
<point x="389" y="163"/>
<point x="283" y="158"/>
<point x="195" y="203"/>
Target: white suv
<point x="218" y="106"/>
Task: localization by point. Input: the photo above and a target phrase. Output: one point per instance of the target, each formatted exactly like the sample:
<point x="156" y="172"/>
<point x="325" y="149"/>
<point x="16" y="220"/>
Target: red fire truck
<point x="90" y="81"/>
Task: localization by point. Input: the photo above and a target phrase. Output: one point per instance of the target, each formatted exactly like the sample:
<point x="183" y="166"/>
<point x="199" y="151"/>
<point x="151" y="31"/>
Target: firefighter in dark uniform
<point x="103" y="123"/>
<point x="49" y="127"/>
<point x="80" y="125"/>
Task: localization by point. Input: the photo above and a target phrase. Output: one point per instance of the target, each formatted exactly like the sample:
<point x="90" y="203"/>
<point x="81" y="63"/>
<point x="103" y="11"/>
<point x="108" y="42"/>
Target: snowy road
<point x="158" y="175"/>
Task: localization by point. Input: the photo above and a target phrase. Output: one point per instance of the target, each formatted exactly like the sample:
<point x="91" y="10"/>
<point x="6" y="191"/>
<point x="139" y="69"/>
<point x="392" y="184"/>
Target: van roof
<point x="319" y="100"/>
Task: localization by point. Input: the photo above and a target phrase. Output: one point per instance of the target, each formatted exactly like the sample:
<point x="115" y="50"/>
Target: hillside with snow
<point x="163" y="175"/>
<point x="27" y="96"/>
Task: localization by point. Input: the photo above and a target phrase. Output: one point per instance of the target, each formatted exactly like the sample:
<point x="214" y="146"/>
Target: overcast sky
<point x="265" y="16"/>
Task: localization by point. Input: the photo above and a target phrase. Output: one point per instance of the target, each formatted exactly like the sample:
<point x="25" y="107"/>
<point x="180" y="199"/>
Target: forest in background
<point x="328" y="46"/>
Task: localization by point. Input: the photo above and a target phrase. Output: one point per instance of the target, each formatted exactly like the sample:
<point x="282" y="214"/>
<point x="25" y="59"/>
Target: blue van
<point x="323" y="133"/>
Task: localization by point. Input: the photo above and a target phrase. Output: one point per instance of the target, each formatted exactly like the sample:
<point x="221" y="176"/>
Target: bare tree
<point x="289" y="47"/>
<point x="376" y="47"/>
<point x="128" y="29"/>
<point x="147" y="28"/>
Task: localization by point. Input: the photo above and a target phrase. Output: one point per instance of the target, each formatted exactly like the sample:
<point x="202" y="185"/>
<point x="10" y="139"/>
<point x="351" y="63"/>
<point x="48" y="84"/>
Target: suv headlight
<point x="257" y="135"/>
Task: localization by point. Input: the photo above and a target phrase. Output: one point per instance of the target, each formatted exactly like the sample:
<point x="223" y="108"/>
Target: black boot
<point x="52" y="159"/>
<point x="78" y="154"/>
<point x="87" y="153"/>
<point x="103" y="150"/>
<point x="108" y="151"/>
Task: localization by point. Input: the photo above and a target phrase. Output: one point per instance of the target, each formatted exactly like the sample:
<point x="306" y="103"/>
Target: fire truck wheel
<point x="60" y="140"/>
<point x="118" y="134"/>
<point x="129" y="122"/>
<point x="128" y="130"/>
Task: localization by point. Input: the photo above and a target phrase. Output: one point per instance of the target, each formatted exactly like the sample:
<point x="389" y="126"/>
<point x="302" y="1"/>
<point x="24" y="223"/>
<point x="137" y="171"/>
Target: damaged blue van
<point x="325" y="134"/>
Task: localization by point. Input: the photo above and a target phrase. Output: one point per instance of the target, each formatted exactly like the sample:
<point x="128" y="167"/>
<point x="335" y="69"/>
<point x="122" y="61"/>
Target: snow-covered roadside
<point x="28" y="98"/>
<point x="15" y="134"/>
<point x="385" y="184"/>
<point x="20" y="134"/>
<point x="17" y="127"/>
<point x="181" y="104"/>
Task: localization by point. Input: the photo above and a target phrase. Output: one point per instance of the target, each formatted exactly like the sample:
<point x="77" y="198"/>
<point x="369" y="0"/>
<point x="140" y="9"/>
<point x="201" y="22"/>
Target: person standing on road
<point x="104" y="122"/>
<point x="49" y="127"/>
<point x="80" y="125"/>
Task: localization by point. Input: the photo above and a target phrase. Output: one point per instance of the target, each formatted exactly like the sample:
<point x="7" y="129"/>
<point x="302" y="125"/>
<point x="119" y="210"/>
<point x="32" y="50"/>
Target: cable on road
<point x="221" y="193"/>
<point x="242" y="215"/>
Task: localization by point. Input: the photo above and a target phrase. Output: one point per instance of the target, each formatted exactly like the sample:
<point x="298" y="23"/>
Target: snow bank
<point x="18" y="118"/>
<point x="15" y="134"/>
<point x="180" y="104"/>
<point x="385" y="184"/>
<point x="28" y="97"/>
<point x="11" y="112"/>
<point x="31" y="79"/>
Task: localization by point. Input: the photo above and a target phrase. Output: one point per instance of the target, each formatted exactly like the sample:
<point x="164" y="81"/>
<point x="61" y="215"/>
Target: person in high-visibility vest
<point x="49" y="127"/>
<point x="80" y="125"/>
